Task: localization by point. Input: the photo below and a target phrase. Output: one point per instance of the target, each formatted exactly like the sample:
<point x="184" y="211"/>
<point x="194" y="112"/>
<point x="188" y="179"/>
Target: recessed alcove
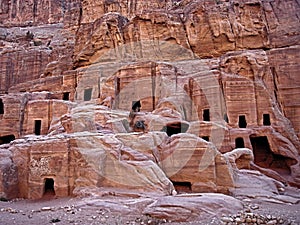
<point x="7" y="139"/>
<point x="175" y="128"/>
<point x="182" y="187"/>
<point x="264" y="157"/>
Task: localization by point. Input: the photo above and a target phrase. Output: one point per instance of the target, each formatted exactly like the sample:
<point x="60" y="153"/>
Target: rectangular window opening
<point x="239" y="143"/>
<point x="242" y="121"/>
<point x="66" y="96"/>
<point x="206" y="115"/>
<point x="88" y="94"/>
<point x="266" y="120"/>
<point x="37" y="127"/>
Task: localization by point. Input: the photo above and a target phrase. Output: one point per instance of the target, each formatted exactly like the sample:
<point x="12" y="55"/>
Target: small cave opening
<point x="242" y="121"/>
<point x="266" y="120"/>
<point x="136" y="106"/>
<point x="239" y="143"/>
<point x="37" y="127"/>
<point x="49" y="187"/>
<point x="66" y="96"/>
<point x="206" y="115"/>
<point x="87" y="94"/>
<point x="182" y="186"/>
<point x="206" y="138"/>
<point x="175" y="128"/>
<point x="7" y="139"/>
<point x="1" y="107"/>
<point x="264" y="157"/>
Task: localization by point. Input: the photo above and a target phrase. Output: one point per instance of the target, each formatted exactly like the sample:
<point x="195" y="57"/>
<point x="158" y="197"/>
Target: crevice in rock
<point x="276" y="93"/>
<point x="153" y="76"/>
<point x="34" y="9"/>
<point x="186" y="34"/>
<point x="23" y="105"/>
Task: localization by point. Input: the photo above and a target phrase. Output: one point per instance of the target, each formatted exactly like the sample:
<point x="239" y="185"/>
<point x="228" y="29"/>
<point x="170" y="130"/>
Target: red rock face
<point x="31" y="12"/>
<point x="224" y="72"/>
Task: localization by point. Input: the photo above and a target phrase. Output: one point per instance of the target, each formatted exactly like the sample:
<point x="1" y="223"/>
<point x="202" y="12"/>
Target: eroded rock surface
<point x="161" y="97"/>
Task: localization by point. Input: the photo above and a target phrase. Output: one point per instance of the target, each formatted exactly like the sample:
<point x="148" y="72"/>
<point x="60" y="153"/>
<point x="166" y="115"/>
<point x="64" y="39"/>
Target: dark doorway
<point x="242" y="121"/>
<point x="266" y="120"/>
<point x="49" y="186"/>
<point x="37" y="127"/>
<point x="66" y="96"/>
<point x="206" y="138"/>
<point x="206" y="115"/>
<point x="6" y="139"/>
<point x="239" y="143"/>
<point x="182" y="187"/>
<point x="1" y="107"/>
<point x="136" y="106"/>
<point x="264" y="157"/>
<point x="175" y="128"/>
<point x="88" y="94"/>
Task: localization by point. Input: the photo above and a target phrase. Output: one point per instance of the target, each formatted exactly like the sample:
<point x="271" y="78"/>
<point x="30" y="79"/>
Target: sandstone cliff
<point x="216" y="84"/>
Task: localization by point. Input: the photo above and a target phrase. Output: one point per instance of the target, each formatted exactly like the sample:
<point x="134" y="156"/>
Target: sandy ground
<point x="75" y="211"/>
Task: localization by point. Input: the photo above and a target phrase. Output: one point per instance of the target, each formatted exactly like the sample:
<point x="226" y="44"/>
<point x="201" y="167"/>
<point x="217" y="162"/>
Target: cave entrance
<point x="7" y="139"/>
<point x="182" y="187"/>
<point x="1" y="107"/>
<point x="242" y="121"/>
<point x="49" y="187"/>
<point x="264" y="157"/>
<point x="37" y="127"/>
<point x="175" y="128"/>
<point x="239" y="143"/>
